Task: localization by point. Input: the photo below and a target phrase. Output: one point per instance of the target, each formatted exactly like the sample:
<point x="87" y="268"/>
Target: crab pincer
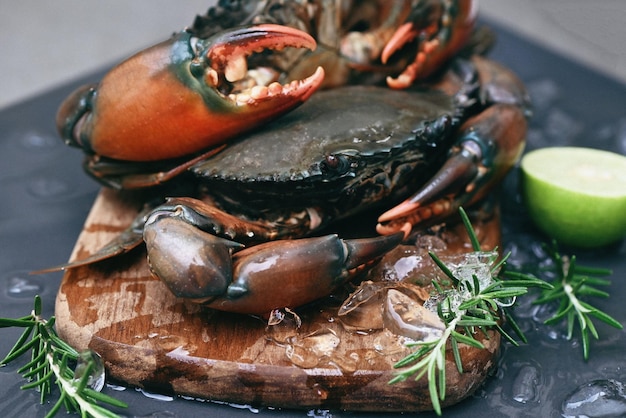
<point x="183" y="96"/>
<point x="224" y="275"/>
<point x="439" y="30"/>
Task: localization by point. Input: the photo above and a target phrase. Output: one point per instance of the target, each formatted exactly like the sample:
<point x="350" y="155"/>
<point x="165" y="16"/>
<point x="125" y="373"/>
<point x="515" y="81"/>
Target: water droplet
<point x="544" y="93"/>
<point x="156" y="396"/>
<point x="308" y="351"/>
<point x="38" y="141"/>
<point x="466" y="266"/>
<point x="388" y="344"/>
<point x="536" y="139"/>
<point x="526" y="384"/>
<point x="363" y="294"/>
<point x="96" y="377"/>
<point x="283" y="325"/>
<point x="235" y="405"/>
<point x="599" y="398"/>
<point x="360" y="312"/>
<point x="320" y="391"/>
<point x="431" y="243"/>
<point x="408" y="317"/>
<point x="19" y="285"/>
<point x="561" y="127"/>
<point x="319" y="413"/>
<point x="160" y="414"/>
<point x="322" y="344"/>
<point x="48" y="188"/>
<point x="405" y="263"/>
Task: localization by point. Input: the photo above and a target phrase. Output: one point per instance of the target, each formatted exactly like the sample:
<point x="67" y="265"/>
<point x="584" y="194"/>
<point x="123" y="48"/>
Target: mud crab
<point x="442" y="136"/>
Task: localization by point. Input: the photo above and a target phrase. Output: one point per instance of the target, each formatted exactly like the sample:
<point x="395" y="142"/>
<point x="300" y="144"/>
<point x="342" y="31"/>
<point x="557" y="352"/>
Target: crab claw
<point x="493" y="142"/>
<point x="454" y="184"/>
<point x="292" y="273"/>
<point x="183" y="96"/>
<point x="440" y="30"/>
<point x="214" y="271"/>
<point x="192" y="263"/>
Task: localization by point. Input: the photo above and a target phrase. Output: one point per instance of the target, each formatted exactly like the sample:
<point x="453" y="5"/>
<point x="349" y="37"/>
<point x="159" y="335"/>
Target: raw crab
<point x="443" y="135"/>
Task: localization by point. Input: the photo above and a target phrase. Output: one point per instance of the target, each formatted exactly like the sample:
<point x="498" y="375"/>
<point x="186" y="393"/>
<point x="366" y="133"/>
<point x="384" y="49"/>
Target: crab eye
<point x="337" y="164"/>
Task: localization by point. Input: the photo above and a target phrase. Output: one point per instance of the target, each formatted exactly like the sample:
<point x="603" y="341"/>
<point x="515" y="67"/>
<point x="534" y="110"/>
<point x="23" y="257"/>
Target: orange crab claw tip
<point x="401" y="82"/>
<point x="399" y="211"/>
<point x="311" y="83"/>
<point x="405" y="79"/>
<point x="404" y="230"/>
<point x="403" y="35"/>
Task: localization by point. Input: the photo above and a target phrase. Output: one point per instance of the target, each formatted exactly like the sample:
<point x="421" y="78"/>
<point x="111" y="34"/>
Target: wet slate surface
<point x="47" y="197"/>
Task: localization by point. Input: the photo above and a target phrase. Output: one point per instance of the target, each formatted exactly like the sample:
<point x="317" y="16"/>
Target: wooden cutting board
<point x="149" y="338"/>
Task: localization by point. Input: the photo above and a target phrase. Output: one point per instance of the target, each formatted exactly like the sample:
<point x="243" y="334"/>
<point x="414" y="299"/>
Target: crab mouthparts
<point x="229" y="74"/>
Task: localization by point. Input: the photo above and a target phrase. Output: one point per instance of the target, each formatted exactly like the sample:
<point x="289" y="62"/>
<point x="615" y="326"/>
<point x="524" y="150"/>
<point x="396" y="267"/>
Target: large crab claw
<point x="440" y="30"/>
<point x="182" y="96"/>
<point x="280" y="274"/>
<point x="488" y="145"/>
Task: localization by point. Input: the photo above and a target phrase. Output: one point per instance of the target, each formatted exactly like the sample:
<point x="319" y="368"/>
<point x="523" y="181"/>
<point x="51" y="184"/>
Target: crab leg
<point x="488" y="146"/>
<point x="129" y="239"/>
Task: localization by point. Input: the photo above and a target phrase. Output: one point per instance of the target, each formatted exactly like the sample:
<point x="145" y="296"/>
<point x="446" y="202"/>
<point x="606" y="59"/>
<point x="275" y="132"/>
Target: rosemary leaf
<point x="39" y="382"/>
<point x="432" y="389"/>
<point x="507" y="292"/>
<point x="457" y="355"/>
<point x="57" y="406"/>
<point x="595" y="281"/>
<point x="462" y="338"/>
<point x="443" y="267"/>
<point x="514" y="326"/>
<point x="21" y="323"/>
<point x="591" y="327"/>
<point x="594" y="271"/>
<point x="470" y="229"/>
<point x="20" y="342"/>
<point x="21" y="350"/>
<point x="476" y="322"/>
<point x="34" y="366"/>
<point x="104" y="398"/>
<point x="585" y="290"/>
<point x="606" y="318"/>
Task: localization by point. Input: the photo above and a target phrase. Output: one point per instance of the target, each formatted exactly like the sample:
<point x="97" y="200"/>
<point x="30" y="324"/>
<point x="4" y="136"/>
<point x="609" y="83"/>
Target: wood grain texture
<point x="149" y="338"/>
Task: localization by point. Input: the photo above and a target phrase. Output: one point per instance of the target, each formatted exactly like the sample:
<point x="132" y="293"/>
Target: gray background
<point x="45" y="43"/>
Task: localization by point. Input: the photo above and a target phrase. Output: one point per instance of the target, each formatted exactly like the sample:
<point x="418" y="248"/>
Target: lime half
<point x="576" y="195"/>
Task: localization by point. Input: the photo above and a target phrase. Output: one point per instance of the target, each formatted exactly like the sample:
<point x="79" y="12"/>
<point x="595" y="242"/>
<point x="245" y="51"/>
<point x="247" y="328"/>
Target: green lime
<point x="576" y="195"/>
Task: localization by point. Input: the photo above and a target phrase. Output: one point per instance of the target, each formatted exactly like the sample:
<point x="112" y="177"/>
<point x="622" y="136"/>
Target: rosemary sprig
<point x="468" y="309"/>
<point x="49" y="364"/>
<point x="571" y="284"/>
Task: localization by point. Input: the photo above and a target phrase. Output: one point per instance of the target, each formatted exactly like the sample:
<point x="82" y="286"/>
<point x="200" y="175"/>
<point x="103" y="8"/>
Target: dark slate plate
<point x="47" y="197"/>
